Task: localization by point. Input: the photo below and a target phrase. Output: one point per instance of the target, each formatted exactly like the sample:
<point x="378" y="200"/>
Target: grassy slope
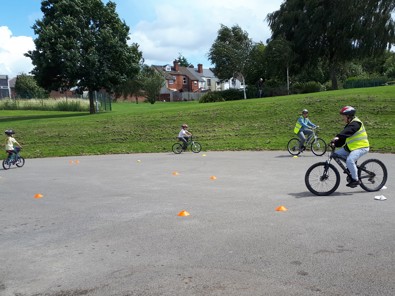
<point x="256" y="124"/>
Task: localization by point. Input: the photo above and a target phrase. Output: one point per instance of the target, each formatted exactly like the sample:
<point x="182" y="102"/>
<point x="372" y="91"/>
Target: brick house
<point x="179" y="78"/>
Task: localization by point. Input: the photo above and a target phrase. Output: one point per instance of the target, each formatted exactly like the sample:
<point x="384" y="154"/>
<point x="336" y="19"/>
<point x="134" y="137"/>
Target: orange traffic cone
<point x="183" y="213"/>
<point x="38" y="195"/>
<point x="281" y="209"/>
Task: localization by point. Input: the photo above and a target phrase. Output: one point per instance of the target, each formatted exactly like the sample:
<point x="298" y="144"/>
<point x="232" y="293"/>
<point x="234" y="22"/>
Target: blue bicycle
<point x="14" y="159"/>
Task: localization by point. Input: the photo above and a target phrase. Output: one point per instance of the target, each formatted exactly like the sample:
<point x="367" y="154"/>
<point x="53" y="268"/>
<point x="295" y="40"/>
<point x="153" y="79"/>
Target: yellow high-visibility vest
<point x="298" y="126"/>
<point x="359" y="139"/>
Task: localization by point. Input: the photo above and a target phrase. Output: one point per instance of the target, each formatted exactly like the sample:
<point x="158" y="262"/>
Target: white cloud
<point x="12" y="50"/>
<point x="190" y="28"/>
<point x="163" y="29"/>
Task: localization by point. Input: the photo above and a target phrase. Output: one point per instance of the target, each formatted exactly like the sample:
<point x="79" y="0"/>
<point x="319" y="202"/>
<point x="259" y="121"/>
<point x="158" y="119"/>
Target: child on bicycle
<point x="303" y="129"/>
<point x="354" y="142"/>
<point x="184" y="135"/>
<point x="9" y="143"/>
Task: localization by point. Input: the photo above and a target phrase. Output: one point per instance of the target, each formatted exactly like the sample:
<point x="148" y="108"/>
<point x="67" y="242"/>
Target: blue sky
<point x="163" y="28"/>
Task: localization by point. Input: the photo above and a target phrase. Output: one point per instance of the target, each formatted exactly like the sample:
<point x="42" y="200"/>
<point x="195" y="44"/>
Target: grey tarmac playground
<point x="109" y="225"/>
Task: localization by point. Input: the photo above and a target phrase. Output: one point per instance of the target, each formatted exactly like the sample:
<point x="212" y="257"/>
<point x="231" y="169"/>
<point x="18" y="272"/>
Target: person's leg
<point x="308" y="134"/>
<point x="302" y="139"/>
<point x="342" y="153"/>
<point x="185" y="145"/>
<point x="9" y="152"/>
<point x="352" y="159"/>
<point x="184" y="142"/>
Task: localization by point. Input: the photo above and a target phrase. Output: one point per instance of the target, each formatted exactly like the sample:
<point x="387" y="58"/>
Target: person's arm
<point x="347" y="132"/>
<point x="16" y="142"/>
<point x="303" y="123"/>
<point x="310" y="124"/>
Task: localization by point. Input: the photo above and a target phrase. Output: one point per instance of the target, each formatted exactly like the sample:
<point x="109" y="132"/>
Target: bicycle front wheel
<point x="177" y="148"/>
<point x="318" y="147"/>
<point x="322" y="178"/>
<point x="293" y="146"/>
<point x="20" y="162"/>
<point x="196" y="147"/>
<point x="6" y="164"/>
<point x="373" y="175"/>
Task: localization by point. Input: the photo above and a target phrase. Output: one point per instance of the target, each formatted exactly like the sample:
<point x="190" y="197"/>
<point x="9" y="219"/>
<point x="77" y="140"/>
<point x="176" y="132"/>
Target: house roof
<point x="181" y="71"/>
<point x="207" y="73"/>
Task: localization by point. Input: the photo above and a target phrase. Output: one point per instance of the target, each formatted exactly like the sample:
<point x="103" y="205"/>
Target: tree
<point x="82" y="43"/>
<point x="278" y="58"/>
<point x="26" y="87"/>
<point x="182" y="60"/>
<point x="151" y="81"/>
<point x="231" y="54"/>
<point x="337" y="30"/>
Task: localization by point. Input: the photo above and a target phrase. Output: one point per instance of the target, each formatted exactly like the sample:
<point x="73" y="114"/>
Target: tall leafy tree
<point x="151" y="81"/>
<point x="82" y="43"/>
<point x="335" y="30"/>
<point x="26" y="87"/>
<point x="231" y="54"/>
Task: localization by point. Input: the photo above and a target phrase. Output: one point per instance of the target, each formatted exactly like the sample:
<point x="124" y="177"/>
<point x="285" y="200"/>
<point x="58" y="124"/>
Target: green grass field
<point x="254" y="124"/>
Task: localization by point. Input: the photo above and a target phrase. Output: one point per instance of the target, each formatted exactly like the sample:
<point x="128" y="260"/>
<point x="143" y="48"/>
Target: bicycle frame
<point x="312" y="138"/>
<point x="342" y="164"/>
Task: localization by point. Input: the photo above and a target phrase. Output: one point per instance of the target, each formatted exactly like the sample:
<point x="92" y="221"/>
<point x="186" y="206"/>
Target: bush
<point x="212" y="96"/>
<point x="232" y="94"/>
<point x="355" y="82"/>
<point x="306" y="87"/>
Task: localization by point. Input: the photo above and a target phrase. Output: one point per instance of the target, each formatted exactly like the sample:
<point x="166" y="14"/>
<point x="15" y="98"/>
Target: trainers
<point x="303" y="148"/>
<point x="353" y="183"/>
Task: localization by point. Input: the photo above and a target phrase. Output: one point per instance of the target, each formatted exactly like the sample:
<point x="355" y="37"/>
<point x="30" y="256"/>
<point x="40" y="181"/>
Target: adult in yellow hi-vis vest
<point x="354" y="142"/>
<point x="303" y="128"/>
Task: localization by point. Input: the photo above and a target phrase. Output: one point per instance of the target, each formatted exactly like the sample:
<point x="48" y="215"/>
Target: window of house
<point x="208" y="82"/>
<point x="171" y="81"/>
<point x="195" y="82"/>
<point x="168" y="68"/>
<point x="184" y="80"/>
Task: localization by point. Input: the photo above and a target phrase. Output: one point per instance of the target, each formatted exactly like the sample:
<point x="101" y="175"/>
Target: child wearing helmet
<point x="354" y="142"/>
<point x="9" y="143"/>
<point x="303" y="128"/>
<point x="184" y="135"/>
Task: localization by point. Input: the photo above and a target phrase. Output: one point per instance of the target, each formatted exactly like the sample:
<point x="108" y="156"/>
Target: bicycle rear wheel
<point x="318" y="147"/>
<point x="196" y="147"/>
<point x="373" y="175"/>
<point x="322" y="178"/>
<point x="6" y="164"/>
<point x="293" y="146"/>
<point x="20" y="162"/>
<point x="177" y="148"/>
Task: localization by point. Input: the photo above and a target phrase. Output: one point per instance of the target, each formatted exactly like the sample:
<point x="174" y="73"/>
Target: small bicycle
<point x="323" y="178"/>
<point x="195" y="146"/>
<point x="316" y="144"/>
<point x="14" y="159"/>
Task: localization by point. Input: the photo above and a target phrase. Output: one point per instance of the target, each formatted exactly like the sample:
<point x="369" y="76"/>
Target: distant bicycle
<point x="316" y="144"/>
<point x="323" y="178"/>
<point x="195" y="146"/>
<point x="14" y="159"/>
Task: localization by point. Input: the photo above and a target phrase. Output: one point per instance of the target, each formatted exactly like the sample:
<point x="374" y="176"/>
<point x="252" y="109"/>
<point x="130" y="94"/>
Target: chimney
<point x="200" y="68"/>
<point x="176" y="65"/>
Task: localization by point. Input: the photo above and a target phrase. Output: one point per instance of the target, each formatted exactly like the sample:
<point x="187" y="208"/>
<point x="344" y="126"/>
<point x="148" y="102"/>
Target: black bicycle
<point x="323" y="178"/>
<point x="195" y="146"/>
<point x="14" y="159"/>
<point x="316" y="144"/>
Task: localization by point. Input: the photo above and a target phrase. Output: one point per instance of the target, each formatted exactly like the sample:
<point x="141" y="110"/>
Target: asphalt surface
<point x="109" y="225"/>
